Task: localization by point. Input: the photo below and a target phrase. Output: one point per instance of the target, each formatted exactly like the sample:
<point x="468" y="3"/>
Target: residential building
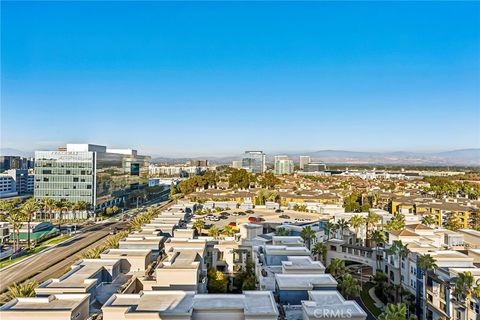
<point x="330" y="305"/>
<point x="254" y="161"/>
<point x="283" y="165"/>
<point x="304" y="160"/>
<point x="58" y="307"/>
<point x="186" y="305"/>
<point x="84" y="172"/>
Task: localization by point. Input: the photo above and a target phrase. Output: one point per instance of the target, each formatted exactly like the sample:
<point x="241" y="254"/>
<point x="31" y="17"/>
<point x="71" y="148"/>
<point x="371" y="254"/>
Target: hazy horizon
<point x="193" y="79"/>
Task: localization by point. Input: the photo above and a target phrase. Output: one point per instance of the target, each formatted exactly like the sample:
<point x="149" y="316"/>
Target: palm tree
<point x="426" y="262"/>
<point x="329" y="228"/>
<point x="282" y="232"/>
<point x="228" y="230"/>
<point x="214" y="232"/>
<point x="378" y="236"/>
<point x="199" y="225"/>
<point x="308" y="235"/>
<point x="356" y="222"/>
<point x="395" y="312"/>
<point x="28" y="209"/>
<point x="93" y="253"/>
<point x="428" y="220"/>
<point x="337" y="268"/>
<point x="401" y="251"/>
<point x="15" y="219"/>
<point x="22" y="290"/>
<point x="464" y="287"/>
<point x="396" y="223"/>
<point x="79" y="206"/>
<point x="342" y="224"/>
<point x="349" y="286"/>
<point x="370" y="222"/>
<point x="320" y="250"/>
<point x="48" y="206"/>
<point x="137" y="222"/>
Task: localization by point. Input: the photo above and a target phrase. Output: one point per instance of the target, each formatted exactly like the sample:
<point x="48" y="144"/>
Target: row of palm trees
<point x="19" y="213"/>
<point x="357" y="222"/>
<point x="228" y="230"/>
<point x="348" y="286"/>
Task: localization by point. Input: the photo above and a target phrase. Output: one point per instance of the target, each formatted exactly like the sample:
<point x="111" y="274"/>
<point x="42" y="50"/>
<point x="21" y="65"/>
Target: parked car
<point x="242" y="214"/>
<point x="232" y="224"/>
<point x="252" y="219"/>
<point x="279" y="211"/>
<point x="250" y="211"/>
<point x="235" y="213"/>
<point x="284" y="216"/>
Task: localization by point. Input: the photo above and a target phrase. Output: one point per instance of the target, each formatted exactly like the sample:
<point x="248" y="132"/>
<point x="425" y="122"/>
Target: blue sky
<point x="219" y="78"/>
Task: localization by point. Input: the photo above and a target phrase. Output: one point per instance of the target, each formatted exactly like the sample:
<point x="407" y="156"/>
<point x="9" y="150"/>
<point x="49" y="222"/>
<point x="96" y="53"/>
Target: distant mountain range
<point x="462" y="157"/>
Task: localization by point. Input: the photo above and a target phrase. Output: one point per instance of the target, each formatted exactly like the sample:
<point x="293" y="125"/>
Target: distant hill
<point x="463" y="157"/>
<point x="15" y="152"/>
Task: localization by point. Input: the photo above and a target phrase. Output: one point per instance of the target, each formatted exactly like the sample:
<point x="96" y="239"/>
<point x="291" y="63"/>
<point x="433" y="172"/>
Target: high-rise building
<point x="87" y="172"/>
<point x="254" y="161"/>
<point x="314" y="167"/>
<point x="237" y="164"/>
<point x="304" y="160"/>
<point x="283" y="165"/>
<point x="15" y="162"/>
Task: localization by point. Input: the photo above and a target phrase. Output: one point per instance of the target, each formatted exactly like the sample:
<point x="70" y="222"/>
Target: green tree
<point x="22" y="290"/>
<point x="199" y="225"/>
<point x="15" y="219"/>
<point x="453" y="222"/>
<point x="269" y="180"/>
<point x="397" y="222"/>
<point x="342" y="224"/>
<point x="320" y="250"/>
<point x="378" y="236"/>
<point x="371" y="221"/>
<point x="401" y="251"/>
<point x="93" y="253"/>
<point x="426" y="262"/>
<point x="428" y="220"/>
<point x="240" y="178"/>
<point x="395" y="312"/>
<point x="330" y="228"/>
<point x="214" y="232"/>
<point x="465" y="288"/>
<point x="351" y="203"/>
<point x="28" y="209"/>
<point x="349" y="287"/>
<point x="308" y="235"/>
<point x="357" y="222"/>
<point x="228" y="230"/>
<point x="217" y="282"/>
<point x="282" y="232"/>
<point x="246" y="279"/>
<point x="336" y="268"/>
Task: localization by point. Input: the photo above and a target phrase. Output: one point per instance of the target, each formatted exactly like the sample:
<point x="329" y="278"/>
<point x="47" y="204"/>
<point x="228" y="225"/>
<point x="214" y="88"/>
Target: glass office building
<point x="90" y="173"/>
<point x="254" y="161"/>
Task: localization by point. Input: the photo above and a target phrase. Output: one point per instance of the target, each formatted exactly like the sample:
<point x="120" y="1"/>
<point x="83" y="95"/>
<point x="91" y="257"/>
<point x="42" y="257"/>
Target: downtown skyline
<point x="276" y="76"/>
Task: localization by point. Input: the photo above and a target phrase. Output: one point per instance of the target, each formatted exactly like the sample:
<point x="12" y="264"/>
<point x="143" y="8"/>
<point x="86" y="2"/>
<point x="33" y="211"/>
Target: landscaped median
<point x="368" y="301"/>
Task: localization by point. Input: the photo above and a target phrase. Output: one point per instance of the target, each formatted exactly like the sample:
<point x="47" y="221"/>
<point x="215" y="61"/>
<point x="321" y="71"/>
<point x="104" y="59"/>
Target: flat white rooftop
<point x="331" y="305"/>
<point x="304" y="281"/>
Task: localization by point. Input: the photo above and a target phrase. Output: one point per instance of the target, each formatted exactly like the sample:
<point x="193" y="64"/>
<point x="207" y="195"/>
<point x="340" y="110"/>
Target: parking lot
<point x="267" y="216"/>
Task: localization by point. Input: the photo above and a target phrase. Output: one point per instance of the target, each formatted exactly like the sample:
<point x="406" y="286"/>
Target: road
<point x="57" y="258"/>
<point x="55" y="261"/>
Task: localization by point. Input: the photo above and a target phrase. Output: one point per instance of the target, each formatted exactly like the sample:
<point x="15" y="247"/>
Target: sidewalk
<point x="378" y="303"/>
